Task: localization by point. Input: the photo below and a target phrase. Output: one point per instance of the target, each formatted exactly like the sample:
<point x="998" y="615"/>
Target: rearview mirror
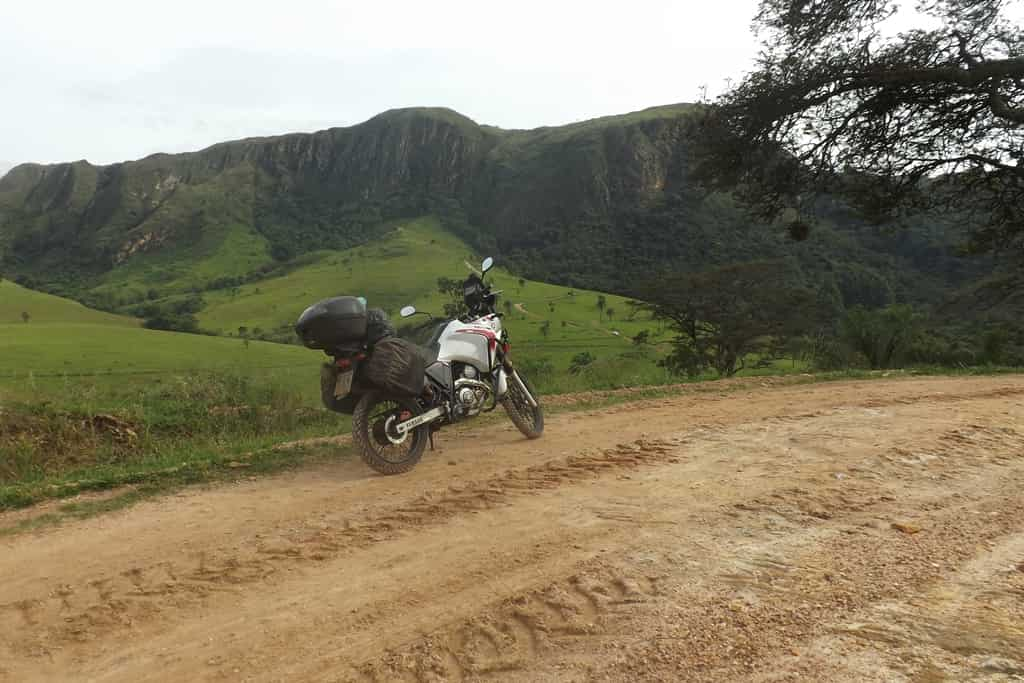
<point x="407" y="311"/>
<point x="488" y="262"/>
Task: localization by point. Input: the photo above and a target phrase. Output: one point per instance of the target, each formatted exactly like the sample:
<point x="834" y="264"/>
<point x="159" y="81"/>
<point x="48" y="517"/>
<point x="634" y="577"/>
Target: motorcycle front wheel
<point x="379" y="444"/>
<point x="527" y="417"/>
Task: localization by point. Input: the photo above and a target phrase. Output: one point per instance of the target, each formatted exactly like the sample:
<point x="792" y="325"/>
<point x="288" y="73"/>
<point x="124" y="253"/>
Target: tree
<point x="242" y="330"/>
<point x="610" y="312"/>
<point x="720" y="316"/>
<point x="25" y="317"/>
<point x="880" y="335"/>
<point x="508" y="307"/>
<point x="522" y="283"/>
<point x="456" y="305"/>
<point x="545" y="328"/>
<point x="642" y="338"/>
<point x="601" y="303"/>
<point x="929" y="118"/>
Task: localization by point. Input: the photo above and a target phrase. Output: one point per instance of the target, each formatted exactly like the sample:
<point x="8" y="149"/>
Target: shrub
<point x="580" y="362"/>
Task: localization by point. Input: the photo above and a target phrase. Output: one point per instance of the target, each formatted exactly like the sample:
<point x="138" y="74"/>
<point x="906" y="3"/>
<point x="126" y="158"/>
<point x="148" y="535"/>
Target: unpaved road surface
<point x="856" y="531"/>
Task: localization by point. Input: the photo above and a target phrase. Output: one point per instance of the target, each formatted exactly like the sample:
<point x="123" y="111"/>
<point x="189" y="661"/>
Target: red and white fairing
<point x="475" y="342"/>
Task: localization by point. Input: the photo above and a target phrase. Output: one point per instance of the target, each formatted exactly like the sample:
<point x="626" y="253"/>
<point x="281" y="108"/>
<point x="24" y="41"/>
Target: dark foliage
<point x="837" y="104"/>
<point x="185" y="322"/>
<point x="455" y="307"/>
<point x="881" y="336"/>
<point x="723" y="315"/>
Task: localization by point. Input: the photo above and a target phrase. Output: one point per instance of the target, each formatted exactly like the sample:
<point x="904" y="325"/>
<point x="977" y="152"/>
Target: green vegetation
<point x="183" y="429"/>
<point x="723" y="316"/>
<point x="66" y="348"/>
<point x="404" y="268"/>
<point x="45" y="309"/>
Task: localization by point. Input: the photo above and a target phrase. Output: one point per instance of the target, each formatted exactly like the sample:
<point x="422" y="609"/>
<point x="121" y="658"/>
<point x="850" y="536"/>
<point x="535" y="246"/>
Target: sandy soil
<point x="858" y="531"/>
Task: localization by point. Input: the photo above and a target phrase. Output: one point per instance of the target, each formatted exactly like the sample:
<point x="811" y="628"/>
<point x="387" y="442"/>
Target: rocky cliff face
<point x="505" y="182"/>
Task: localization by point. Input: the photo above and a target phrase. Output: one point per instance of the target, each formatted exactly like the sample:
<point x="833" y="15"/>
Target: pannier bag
<point x="333" y="323"/>
<point x="395" y="366"/>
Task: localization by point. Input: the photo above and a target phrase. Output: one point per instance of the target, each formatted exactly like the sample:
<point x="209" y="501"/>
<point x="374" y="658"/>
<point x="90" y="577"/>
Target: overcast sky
<point x="109" y="80"/>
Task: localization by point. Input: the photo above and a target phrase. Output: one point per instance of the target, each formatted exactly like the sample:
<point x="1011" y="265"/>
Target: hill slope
<point x="46" y="309"/>
<point x="547" y="322"/>
<point x="64" y="339"/>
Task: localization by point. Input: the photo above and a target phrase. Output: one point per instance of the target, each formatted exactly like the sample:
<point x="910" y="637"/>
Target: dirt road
<point x="857" y="531"/>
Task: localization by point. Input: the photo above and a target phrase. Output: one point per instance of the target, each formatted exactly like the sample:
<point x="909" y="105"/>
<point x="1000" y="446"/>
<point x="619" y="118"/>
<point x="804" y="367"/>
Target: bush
<point x="580" y="362"/>
<point x="173" y="323"/>
<point x="882" y="336"/>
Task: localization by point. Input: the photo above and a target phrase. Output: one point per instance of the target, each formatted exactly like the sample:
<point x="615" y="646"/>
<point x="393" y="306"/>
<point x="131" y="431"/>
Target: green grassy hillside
<point x="109" y="361"/>
<point x="544" y="320"/>
<point x="45" y="309"/>
<point x="65" y="346"/>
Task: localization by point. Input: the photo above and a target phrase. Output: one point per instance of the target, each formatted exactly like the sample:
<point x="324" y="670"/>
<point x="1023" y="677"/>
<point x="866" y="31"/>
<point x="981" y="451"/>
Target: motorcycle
<point x="400" y="393"/>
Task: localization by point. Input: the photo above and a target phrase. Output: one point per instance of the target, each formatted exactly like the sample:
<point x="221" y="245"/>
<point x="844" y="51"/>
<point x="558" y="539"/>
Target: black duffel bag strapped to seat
<point x="395" y="366"/>
<point x="377" y="326"/>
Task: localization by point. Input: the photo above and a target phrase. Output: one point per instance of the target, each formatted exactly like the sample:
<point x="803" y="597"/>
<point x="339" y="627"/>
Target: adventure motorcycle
<point x="400" y="393"/>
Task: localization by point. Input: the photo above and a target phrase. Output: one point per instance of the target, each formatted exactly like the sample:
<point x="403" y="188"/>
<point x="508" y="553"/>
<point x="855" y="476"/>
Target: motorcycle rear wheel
<point x="529" y="419"/>
<point x="379" y="445"/>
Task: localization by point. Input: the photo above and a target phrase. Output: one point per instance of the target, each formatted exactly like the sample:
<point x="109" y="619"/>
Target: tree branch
<point x="1002" y="109"/>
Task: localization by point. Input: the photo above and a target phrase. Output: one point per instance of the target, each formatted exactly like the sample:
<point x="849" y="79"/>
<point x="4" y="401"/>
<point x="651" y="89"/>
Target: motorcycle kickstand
<point x="430" y="435"/>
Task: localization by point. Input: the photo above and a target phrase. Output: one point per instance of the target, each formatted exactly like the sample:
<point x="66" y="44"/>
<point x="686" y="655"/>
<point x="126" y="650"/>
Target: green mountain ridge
<point x="598" y="204"/>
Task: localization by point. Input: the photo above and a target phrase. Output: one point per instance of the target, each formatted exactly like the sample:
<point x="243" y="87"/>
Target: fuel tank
<point x="475" y="342"/>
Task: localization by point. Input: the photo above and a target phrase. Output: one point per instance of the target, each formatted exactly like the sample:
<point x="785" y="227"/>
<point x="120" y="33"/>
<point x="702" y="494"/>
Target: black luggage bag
<point x="396" y="367"/>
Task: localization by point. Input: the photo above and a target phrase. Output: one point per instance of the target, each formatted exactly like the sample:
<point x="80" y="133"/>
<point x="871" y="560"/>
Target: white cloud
<point x="109" y="80"/>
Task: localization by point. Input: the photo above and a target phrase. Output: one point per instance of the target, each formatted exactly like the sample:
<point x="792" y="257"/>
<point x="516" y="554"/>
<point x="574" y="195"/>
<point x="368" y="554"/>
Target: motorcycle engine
<point x="470" y="394"/>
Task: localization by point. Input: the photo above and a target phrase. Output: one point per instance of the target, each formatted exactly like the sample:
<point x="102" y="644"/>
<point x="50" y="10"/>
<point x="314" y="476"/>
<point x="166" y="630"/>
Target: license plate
<point x="343" y="385"/>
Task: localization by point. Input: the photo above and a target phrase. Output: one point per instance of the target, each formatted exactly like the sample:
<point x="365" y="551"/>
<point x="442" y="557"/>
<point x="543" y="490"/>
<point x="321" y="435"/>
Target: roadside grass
<point x="183" y="432"/>
<point x="266" y="461"/>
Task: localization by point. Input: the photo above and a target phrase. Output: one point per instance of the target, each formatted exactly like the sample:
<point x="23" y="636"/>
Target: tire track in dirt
<point x="105" y="604"/>
<point x="514" y="635"/>
<point x="711" y="634"/>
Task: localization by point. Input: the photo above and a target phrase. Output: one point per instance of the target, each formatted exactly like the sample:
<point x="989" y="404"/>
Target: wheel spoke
<point x="391" y="452"/>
